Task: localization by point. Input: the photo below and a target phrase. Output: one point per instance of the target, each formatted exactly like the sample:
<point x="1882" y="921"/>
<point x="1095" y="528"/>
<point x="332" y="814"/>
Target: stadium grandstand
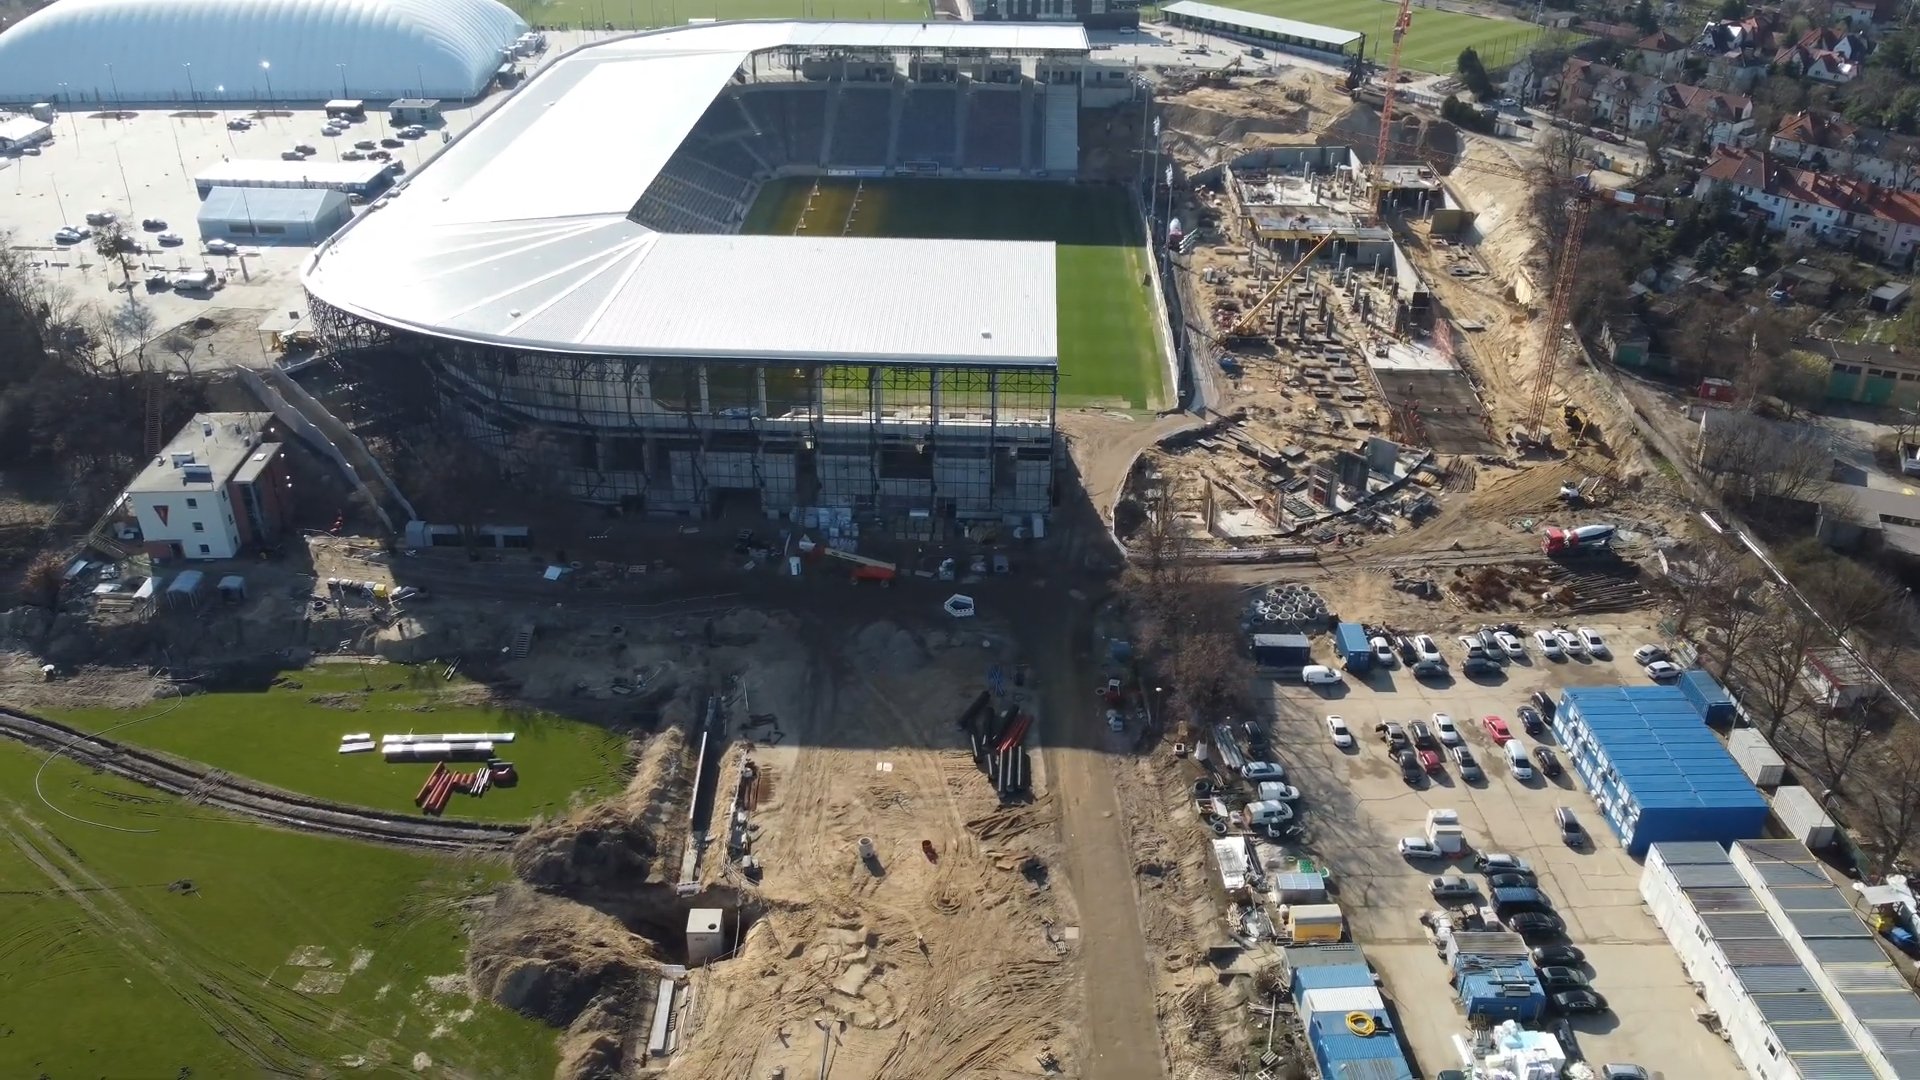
<point x="1285" y="35"/>
<point x="571" y="272"/>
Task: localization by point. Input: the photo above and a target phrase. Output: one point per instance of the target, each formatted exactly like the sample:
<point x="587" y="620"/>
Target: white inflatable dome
<point x="165" y="51"/>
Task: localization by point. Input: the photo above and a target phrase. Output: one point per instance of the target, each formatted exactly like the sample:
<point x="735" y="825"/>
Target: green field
<point x="109" y="971"/>
<point x="288" y="735"/>
<point x="641" y="14"/>
<point x="1109" y="350"/>
<point x="1433" y="43"/>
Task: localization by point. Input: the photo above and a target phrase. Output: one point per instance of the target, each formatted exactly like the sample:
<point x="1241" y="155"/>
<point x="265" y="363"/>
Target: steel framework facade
<point x="684" y="436"/>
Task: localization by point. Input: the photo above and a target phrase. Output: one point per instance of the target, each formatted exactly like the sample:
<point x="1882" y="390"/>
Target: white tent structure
<point x="213" y="51"/>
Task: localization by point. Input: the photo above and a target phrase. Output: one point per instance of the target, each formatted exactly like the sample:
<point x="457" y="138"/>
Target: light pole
<point x="116" y="87"/>
<point x="343" y="81"/>
<point x="66" y="104"/>
<point x="266" y="68"/>
<point x="222" y="91"/>
<point x="193" y="95"/>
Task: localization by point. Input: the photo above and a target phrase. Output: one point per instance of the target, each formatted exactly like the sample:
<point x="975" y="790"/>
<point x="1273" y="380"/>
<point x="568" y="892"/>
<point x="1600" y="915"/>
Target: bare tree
<point x="43" y="581"/>
<point x="1751" y="458"/>
<point x="463" y="483"/>
<point x="1889" y="808"/>
<point x="1771" y="669"/>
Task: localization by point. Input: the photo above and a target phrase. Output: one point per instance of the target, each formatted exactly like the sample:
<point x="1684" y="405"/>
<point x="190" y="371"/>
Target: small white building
<point x="1834" y="679"/>
<point x="20" y="131"/>
<point x="273" y="215"/>
<point x="219" y="487"/>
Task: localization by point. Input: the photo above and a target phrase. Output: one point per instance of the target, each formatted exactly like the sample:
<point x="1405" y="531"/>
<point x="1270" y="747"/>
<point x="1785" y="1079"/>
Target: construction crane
<point x="1401" y="23"/>
<point x="1566" y="261"/>
<point x="1253" y="311"/>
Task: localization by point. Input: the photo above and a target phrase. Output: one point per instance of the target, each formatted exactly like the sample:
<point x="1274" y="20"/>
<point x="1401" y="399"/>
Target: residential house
<point x="1736" y="53"/>
<point x="1619" y="33"/>
<point x="1625" y="341"/>
<point x="1865" y="14"/>
<point x="1830" y="143"/>
<point x="1808" y="205"/>
<point x="1825" y="55"/>
<point x="1692" y="115"/>
<point x="1660" y="53"/>
<point x="219" y="488"/>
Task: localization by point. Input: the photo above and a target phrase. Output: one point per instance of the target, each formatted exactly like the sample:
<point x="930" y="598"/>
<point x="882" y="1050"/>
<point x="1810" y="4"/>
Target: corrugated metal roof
<point x="1693" y="853"/>
<point x="1890" y="1005"/>
<point x="1794" y="1008"/>
<point x="1792" y="851"/>
<point x="1904" y="1066"/>
<point x="1846" y="951"/>
<point x="1895" y="1036"/>
<point x="1865" y="978"/>
<point x="1722" y="901"/>
<point x="1372" y="1069"/>
<point x="1320" y="978"/>
<point x="1824" y="898"/>
<point x="1755" y="952"/>
<point x="1778" y="873"/>
<point x="1848" y="1066"/>
<point x="1775" y="979"/>
<point x="1726" y="927"/>
<point x="1660" y="749"/>
<point x="1326" y="35"/>
<point x="1708" y="876"/>
<point x="1827" y="924"/>
<point x="1819" y="1038"/>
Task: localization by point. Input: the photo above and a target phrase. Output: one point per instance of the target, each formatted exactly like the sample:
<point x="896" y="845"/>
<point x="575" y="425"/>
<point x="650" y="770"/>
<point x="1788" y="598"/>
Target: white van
<point x="1268" y="812"/>
<point x="1517" y="758"/>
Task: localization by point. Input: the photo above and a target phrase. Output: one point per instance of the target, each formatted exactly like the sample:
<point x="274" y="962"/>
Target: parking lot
<point x="140" y="163"/>
<point x="1359" y="806"/>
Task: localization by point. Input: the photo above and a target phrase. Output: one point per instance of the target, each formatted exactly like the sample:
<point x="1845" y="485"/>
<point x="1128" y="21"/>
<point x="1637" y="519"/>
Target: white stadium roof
<point x="517" y="232"/>
<point x="139" y="51"/>
<point x="1270" y="24"/>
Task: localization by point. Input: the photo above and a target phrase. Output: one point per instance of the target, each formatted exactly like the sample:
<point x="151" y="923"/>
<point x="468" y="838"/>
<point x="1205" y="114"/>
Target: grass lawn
<point x="109" y="972"/>
<point x="1109" y="351"/>
<point x="290" y="737"/>
<point x="638" y="14"/>
<point x="1433" y="43"/>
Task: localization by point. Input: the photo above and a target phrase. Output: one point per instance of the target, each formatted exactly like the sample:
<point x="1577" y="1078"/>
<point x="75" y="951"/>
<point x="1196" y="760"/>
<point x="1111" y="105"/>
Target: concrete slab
<point x="1358" y="807"/>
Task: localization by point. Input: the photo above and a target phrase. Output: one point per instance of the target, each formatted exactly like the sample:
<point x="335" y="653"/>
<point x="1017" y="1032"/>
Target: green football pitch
<point x="1433" y="43"/>
<point x="1109" y="349"/>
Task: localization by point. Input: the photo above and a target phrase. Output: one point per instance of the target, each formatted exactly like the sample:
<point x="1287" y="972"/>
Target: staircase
<point x="156" y="409"/>
<point x="826" y="129"/>
<point x="1062" y="130"/>
<point x="523" y="641"/>
<point x="960" y="123"/>
<point x="1027" y="91"/>
<point x="895" y="107"/>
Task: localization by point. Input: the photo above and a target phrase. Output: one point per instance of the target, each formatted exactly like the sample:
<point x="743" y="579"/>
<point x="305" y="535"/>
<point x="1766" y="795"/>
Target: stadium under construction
<point x="569" y="274"/>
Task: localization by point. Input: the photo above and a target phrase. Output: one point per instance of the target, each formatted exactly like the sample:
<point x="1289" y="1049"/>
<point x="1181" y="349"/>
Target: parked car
<point x="1578" y="1001"/>
<point x="1276" y="791"/>
<point x="1422" y="736"/>
<point x="222" y="247"/>
<point x="1469" y="768"/>
<point x="1337" y="729"/>
<point x="1662" y="670"/>
<point x="365" y="144"/>
<point x="1430" y="761"/>
<point x="1418" y="847"/>
<point x="1570" y="641"/>
<point x="1549" y="644"/>
<point x="1473" y="646"/>
<point x="239" y="123"/>
<point x="1554" y="978"/>
<point x="379" y="155"/>
<point x="1518" y="761"/>
<point x="1512" y="879"/>
<point x="1572" y="833"/>
<point x="1544" y="702"/>
<point x="1312" y="674"/>
<point x="1383" y="652"/>
<point x="1536" y="924"/>
<point x="1596" y="645"/>
<point x="1647" y="654"/>
<point x="1558" y="955"/>
<point x="1481" y="665"/>
<point x="1499" y="862"/>
<point x="1620" y="1071"/>
<point x="1410" y="770"/>
<point x="167" y="239"/>
<point x="1424" y="645"/>
<point x="1429" y="669"/>
<point x="353" y="155"/>
<point x="1257" y="771"/>
<point x="1497" y="730"/>
<point x="102" y="217"/>
<point x="1451" y="887"/>
<point x="1443" y="726"/>
<point x="153" y="224"/>
<point x="1393" y="735"/>
<point x="292" y="155"/>
<point x="1510" y="645"/>
<point x="306" y="148"/>
<point x="1549" y="763"/>
<point x="392" y="143"/>
<point x="1408" y="654"/>
<point x="1530" y="721"/>
<point x="71" y="235"/>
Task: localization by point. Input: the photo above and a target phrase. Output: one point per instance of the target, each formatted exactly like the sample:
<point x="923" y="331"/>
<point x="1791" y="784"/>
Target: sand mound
<point x="550" y="958"/>
<point x="889" y="648"/>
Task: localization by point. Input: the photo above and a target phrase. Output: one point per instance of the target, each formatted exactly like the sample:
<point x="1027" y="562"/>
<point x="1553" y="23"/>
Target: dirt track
<point x="215" y="788"/>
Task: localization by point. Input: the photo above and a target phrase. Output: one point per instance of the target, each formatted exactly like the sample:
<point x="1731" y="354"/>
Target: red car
<point x="1430" y="761"/>
<point x="1497" y="728"/>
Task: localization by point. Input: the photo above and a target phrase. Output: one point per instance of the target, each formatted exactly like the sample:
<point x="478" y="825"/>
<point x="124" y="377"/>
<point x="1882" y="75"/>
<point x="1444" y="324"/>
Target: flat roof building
<point x="1288" y="35"/>
<point x="218" y="487"/>
<point x="273" y="215"/>
<point x="366" y="178"/>
<point x="1656" y="770"/>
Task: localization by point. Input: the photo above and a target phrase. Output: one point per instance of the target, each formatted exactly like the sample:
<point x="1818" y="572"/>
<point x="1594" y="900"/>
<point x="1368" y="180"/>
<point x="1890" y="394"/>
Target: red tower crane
<point x="1401" y="23"/>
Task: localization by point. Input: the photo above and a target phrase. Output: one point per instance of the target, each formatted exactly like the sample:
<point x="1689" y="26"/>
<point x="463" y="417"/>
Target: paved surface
<point x="1360" y="807"/>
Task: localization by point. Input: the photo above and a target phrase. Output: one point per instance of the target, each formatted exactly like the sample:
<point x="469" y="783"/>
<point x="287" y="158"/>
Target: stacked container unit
<point x="1350" y="641"/>
<point x="1656" y="771"/>
<point x="1494" y="976"/>
<point x="1767" y="1001"/>
<point x="1344" y="1015"/>
<point x="1282" y="650"/>
<point x="1868" y="996"/>
<point x="1707" y="696"/>
<point x="1757" y="758"/>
